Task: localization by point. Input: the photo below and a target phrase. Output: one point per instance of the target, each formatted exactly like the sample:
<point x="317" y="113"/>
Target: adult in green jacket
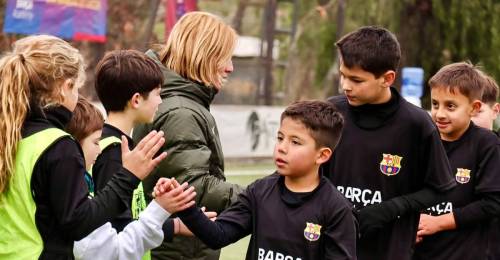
<point x="196" y="61"/>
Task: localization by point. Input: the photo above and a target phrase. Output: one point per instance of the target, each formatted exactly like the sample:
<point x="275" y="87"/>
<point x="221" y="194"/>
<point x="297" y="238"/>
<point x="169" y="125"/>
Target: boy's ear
<point x="135" y="101"/>
<point x="496" y="109"/>
<point x="476" y="106"/>
<point x="324" y="155"/>
<point x="388" y="78"/>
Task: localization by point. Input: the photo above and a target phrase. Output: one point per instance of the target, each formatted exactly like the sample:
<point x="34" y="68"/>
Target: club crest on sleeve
<point x="462" y="176"/>
<point x="390" y="164"/>
<point x="312" y="231"/>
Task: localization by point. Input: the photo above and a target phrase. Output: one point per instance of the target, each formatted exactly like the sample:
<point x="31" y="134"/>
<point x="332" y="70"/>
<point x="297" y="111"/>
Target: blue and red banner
<point x="175" y="10"/>
<point x="69" y="19"/>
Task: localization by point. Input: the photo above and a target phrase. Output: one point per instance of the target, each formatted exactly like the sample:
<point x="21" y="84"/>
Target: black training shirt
<point x="106" y="164"/>
<point x="284" y="225"/>
<point x="475" y="160"/>
<point x="387" y="151"/>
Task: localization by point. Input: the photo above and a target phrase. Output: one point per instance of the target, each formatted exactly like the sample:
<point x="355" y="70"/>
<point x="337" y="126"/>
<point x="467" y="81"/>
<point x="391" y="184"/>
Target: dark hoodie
<point x="194" y="154"/>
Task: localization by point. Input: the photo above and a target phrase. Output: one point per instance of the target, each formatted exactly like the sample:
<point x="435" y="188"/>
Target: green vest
<point x="138" y="199"/>
<point x="19" y="236"/>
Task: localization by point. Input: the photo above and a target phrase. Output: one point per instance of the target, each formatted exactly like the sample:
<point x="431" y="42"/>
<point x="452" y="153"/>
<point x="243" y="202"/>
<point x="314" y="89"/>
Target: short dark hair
<point x="121" y="74"/>
<point x="323" y="120"/>
<point x="461" y="76"/>
<point x="490" y="91"/>
<point x="373" y="49"/>
<point x="86" y="119"/>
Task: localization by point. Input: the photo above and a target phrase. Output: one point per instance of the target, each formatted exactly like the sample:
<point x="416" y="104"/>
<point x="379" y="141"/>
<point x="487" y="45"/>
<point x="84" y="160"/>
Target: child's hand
<point x="419" y="239"/>
<point x="426" y="226"/>
<point x="177" y="199"/>
<point x="429" y="225"/>
<point x="162" y="185"/>
<point x="212" y="215"/>
<point x="140" y="160"/>
<point x="183" y="230"/>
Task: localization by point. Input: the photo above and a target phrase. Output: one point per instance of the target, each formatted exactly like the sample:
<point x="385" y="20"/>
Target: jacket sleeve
<point x="189" y="158"/>
<point x="137" y="237"/>
<point x="63" y="168"/>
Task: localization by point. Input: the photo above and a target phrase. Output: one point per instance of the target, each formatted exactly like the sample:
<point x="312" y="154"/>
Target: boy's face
<point x="91" y="148"/>
<point x="486" y="115"/>
<point x="362" y="87"/>
<point x="148" y="106"/>
<point x="452" y="112"/>
<point x="295" y="152"/>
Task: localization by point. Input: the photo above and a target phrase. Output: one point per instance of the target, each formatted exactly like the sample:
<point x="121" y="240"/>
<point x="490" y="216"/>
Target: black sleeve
<point x="75" y="214"/>
<point x="437" y="170"/>
<point x="474" y="213"/>
<point x="231" y="225"/>
<point x="340" y="239"/>
<point x="106" y="164"/>
<point x="375" y="216"/>
<point x="488" y="172"/>
<point x="418" y="201"/>
<point x="168" y="230"/>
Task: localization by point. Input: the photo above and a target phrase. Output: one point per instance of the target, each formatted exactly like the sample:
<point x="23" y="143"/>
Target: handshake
<point x="175" y="197"/>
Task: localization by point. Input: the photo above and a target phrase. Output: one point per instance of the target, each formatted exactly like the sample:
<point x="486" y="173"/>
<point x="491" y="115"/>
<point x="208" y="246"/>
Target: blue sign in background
<point x="69" y="19"/>
<point x="413" y="79"/>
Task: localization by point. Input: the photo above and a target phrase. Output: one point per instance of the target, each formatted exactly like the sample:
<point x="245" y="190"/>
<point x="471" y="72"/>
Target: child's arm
<point x="137" y="237"/>
<point x="75" y="214"/>
<point x="340" y="236"/>
<point x="429" y="225"/>
<point x="486" y="208"/>
<point x="233" y="224"/>
<point x="376" y="216"/>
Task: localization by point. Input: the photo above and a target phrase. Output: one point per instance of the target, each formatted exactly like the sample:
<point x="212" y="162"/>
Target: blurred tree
<point x="432" y="33"/>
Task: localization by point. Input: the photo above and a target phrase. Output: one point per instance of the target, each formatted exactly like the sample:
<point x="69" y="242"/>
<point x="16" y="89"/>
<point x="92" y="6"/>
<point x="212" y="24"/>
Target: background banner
<point x="69" y="19"/>
<point x="175" y="9"/>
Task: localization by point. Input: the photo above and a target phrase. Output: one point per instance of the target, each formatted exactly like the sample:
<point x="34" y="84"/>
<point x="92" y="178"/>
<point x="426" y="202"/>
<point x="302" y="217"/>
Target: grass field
<point x="243" y="175"/>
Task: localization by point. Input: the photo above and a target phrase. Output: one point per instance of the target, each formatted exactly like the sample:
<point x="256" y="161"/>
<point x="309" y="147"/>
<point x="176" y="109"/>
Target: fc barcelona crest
<point x="390" y="164"/>
<point x="462" y="176"/>
<point x="312" y="231"/>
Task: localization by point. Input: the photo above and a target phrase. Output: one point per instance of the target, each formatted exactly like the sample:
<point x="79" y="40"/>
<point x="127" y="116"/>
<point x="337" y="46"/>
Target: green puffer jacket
<point x="194" y="156"/>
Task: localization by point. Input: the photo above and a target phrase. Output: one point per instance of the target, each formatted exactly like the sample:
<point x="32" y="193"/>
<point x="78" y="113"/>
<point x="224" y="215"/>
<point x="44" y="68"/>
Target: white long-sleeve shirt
<point x="137" y="237"/>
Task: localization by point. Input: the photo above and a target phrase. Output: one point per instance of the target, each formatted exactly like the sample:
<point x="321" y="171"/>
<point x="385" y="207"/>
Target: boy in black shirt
<point x="459" y="227"/>
<point x="295" y="213"/>
<point x="390" y="162"/>
<point x="128" y="85"/>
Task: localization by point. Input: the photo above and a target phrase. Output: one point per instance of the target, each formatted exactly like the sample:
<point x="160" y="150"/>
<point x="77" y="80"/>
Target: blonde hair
<point x="31" y="76"/>
<point x="199" y="45"/>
